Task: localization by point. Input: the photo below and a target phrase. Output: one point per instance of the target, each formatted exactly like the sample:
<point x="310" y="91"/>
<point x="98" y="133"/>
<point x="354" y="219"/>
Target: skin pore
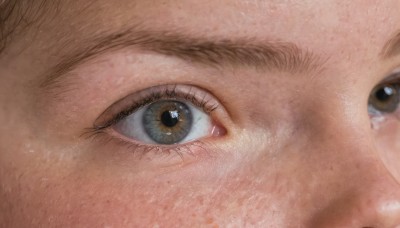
<point x="289" y="84"/>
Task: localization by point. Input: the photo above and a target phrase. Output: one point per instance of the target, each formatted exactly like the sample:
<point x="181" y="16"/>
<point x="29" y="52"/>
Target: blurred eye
<point x="384" y="99"/>
<point x="166" y="122"/>
<point x="384" y="113"/>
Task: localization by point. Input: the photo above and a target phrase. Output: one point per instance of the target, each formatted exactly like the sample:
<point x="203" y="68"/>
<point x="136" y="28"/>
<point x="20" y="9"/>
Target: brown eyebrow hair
<point x="213" y="51"/>
<point x="392" y="47"/>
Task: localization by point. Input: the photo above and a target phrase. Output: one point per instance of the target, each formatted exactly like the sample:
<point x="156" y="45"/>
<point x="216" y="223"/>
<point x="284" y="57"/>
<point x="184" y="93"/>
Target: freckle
<point x="200" y="200"/>
<point x="241" y="201"/>
<point x="210" y="220"/>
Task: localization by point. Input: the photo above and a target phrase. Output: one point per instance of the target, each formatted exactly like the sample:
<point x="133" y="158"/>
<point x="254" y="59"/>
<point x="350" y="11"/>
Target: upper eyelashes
<point x="122" y="108"/>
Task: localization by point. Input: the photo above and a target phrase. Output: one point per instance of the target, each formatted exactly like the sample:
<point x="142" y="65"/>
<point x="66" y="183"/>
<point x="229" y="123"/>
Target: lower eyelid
<point x="162" y="156"/>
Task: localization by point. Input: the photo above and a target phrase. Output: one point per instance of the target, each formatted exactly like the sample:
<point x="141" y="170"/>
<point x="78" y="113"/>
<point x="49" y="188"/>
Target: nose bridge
<point x="371" y="199"/>
<point x="375" y="199"/>
<point x="370" y="196"/>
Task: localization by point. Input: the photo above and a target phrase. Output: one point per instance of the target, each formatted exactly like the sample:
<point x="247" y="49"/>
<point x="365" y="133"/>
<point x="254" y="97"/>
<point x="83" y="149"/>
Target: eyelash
<point x="100" y="132"/>
<point x="182" y="150"/>
<point x="160" y="93"/>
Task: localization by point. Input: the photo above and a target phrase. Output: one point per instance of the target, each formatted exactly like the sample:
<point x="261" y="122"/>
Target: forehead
<point x="234" y="17"/>
<point x="330" y="28"/>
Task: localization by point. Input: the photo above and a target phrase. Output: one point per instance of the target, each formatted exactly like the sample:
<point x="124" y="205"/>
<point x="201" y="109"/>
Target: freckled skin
<point x="299" y="149"/>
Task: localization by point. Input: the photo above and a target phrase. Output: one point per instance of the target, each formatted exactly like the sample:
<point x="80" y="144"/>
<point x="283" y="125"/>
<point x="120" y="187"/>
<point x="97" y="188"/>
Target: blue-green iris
<point x="168" y="121"/>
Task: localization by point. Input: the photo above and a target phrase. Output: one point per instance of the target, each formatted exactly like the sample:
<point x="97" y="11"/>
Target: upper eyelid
<point x="132" y="102"/>
<point x="394" y="76"/>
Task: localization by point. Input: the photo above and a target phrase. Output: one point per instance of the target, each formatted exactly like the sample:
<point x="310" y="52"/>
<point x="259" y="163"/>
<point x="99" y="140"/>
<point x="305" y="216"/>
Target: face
<point x="220" y="113"/>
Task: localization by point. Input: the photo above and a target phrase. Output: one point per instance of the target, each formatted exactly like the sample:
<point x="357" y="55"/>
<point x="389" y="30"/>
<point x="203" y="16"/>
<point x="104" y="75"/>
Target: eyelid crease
<point x="391" y="47"/>
<point x="129" y="104"/>
<point x="394" y="77"/>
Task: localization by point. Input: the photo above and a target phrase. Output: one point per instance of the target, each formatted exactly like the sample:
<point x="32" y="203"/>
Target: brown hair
<point x="17" y="15"/>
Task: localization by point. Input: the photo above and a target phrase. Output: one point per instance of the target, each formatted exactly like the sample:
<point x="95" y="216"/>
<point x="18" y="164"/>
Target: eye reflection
<point x="166" y="122"/>
<point x="384" y="98"/>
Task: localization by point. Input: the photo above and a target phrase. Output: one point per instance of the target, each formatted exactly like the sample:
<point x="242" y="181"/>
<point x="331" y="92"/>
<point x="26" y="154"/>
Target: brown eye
<point x="384" y="98"/>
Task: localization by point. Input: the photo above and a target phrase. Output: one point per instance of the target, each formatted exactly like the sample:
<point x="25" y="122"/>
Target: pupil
<point x="384" y="94"/>
<point x="170" y="118"/>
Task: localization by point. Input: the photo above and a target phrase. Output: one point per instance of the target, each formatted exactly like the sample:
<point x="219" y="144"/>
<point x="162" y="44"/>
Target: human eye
<point x="165" y="116"/>
<point x="384" y="112"/>
<point x="384" y="99"/>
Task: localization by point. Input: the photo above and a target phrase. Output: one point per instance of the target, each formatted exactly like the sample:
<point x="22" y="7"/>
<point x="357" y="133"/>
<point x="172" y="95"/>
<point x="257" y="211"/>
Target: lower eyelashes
<point x="119" y="150"/>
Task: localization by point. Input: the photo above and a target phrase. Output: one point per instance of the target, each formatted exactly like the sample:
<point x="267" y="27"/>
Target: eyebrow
<point x="281" y="56"/>
<point x="392" y="47"/>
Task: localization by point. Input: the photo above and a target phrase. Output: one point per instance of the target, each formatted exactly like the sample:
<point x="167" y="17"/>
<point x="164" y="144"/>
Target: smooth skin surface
<point x="300" y="148"/>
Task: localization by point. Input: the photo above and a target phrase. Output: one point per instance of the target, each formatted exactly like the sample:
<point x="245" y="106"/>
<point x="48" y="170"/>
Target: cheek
<point x="55" y="194"/>
<point x="119" y="204"/>
<point x="87" y="187"/>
